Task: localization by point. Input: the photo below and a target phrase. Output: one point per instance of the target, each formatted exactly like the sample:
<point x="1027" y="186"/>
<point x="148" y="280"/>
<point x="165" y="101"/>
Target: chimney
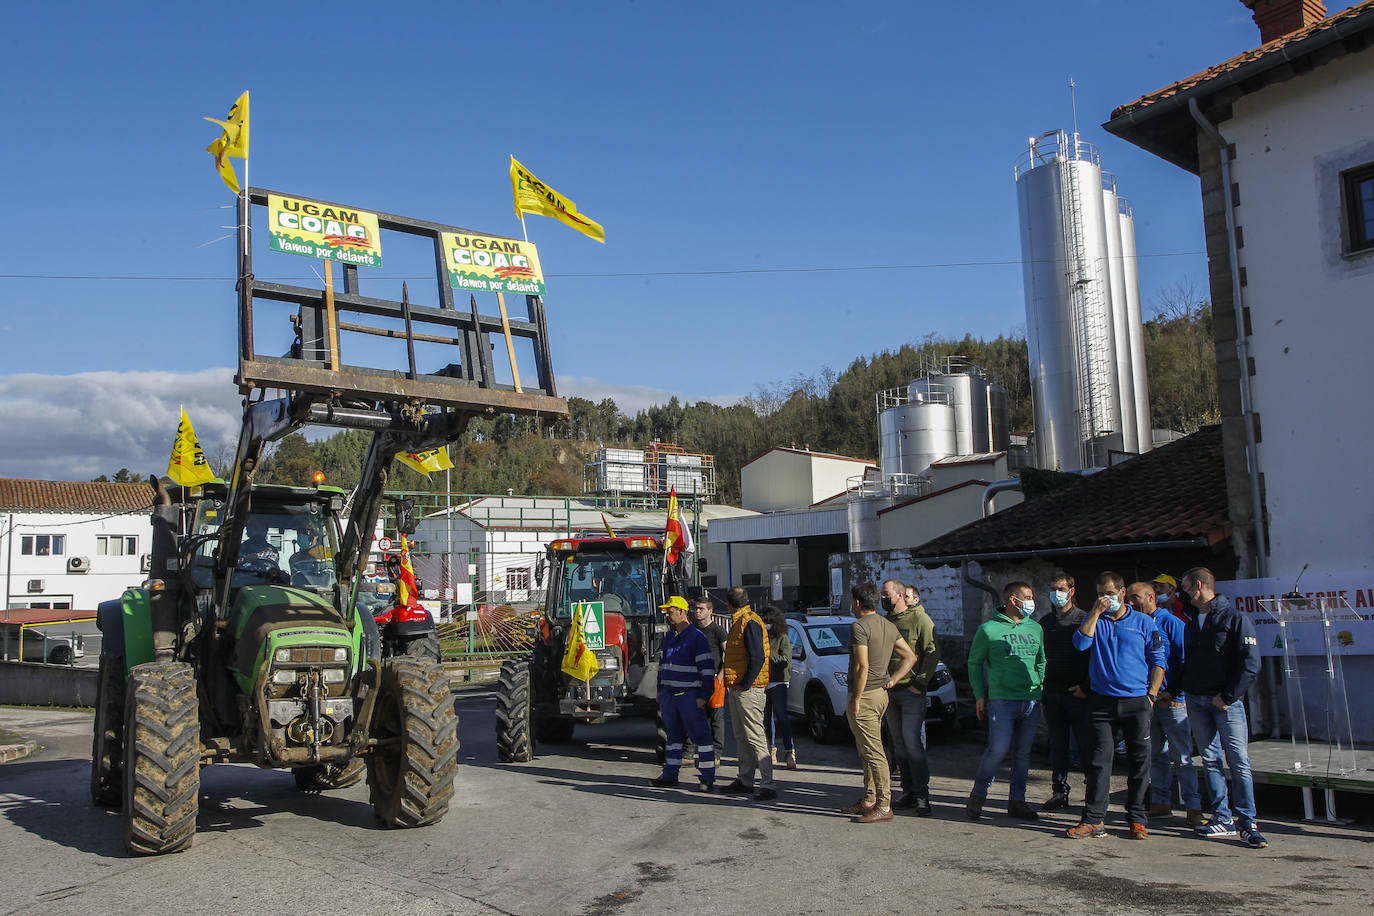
<point x="1277" y="18"/>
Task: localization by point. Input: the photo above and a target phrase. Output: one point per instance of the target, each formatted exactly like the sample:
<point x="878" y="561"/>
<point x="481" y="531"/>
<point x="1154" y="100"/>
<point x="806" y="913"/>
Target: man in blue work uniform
<point x="1221" y="659"/>
<point x="686" y="678"/>
<point x="1126" y="659"/>
<point x="1171" y="738"/>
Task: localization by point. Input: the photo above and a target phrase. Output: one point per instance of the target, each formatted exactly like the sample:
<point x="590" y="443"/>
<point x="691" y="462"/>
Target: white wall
<point x="784" y="479"/>
<point x="108" y="576"/>
<point x="1311" y="311"/>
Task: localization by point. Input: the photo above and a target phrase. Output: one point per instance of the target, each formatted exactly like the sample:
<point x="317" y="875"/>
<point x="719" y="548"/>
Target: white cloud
<point x="79" y="426"/>
<point x="76" y="427"/>
<point x="629" y="398"/>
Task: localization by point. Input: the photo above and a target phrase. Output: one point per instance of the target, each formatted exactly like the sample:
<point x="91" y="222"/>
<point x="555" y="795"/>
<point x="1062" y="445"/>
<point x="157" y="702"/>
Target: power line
<point x="602" y="276"/>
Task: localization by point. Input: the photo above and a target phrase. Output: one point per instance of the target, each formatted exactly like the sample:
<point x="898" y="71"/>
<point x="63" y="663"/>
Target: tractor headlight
<point x="334" y="675"/>
<point x="283" y="655"/>
<point x="285" y="676"/>
<point x="340" y="655"/>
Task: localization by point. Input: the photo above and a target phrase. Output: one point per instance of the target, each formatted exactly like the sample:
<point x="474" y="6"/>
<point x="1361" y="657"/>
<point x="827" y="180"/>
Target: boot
<point x="973" y="809"/>
<point x="791" y="762"/>
<point x="773" y="753"/>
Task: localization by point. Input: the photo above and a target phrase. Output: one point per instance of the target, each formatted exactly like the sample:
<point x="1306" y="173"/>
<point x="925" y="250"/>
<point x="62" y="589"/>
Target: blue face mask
<point x="1059" y="599"/>
<point x="1113" y="604"/>
<point x="1028" y="607"/>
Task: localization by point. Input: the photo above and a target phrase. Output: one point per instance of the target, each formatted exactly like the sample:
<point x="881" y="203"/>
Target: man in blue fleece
<point x="686" y="679"/>
<point x="1126" y="661"/>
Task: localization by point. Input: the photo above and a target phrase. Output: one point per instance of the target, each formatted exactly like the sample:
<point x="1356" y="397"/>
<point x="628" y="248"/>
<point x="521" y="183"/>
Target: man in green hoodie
<point x="1006" y="666"/>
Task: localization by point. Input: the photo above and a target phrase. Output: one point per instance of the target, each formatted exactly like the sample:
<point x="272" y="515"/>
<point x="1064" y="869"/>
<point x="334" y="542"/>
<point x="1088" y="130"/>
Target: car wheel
<point x="820" y="717"/>
<point x="62" y="655"/>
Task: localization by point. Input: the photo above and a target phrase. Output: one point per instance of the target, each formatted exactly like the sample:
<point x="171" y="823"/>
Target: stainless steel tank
<point x="1140" y="386"/>
<point x="999" y="419"/>
<point x="1121" y="333"/>
<point x="914" y="434"/>
<point x="1074" y="387"/>
<point x="969" y="398"/>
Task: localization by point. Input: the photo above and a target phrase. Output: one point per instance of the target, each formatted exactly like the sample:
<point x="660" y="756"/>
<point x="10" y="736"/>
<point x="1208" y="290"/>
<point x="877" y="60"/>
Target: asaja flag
<point x="233" y="142"/>
<point x="533" y="196"/>
<point x="436" y="459"/>
<point x="677" y="537"/>
<point x="579" y="661"/>
<point x="188" y="466"/>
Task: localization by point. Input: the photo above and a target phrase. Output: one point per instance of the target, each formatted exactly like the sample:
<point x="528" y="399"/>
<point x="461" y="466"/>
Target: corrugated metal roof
<point x="73" y="495"/>
<point x="807" y="453"/>
<point x="981" y="458"/>
<point x="791" y="523"/>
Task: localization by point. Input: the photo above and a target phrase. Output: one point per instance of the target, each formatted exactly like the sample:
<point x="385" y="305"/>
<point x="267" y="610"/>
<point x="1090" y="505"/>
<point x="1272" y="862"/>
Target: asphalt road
<point x="579" y="830"/>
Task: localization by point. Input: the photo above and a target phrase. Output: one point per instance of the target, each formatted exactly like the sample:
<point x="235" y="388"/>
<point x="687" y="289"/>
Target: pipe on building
<point x="998" y="486"/>
<point x="1242" y="351"/>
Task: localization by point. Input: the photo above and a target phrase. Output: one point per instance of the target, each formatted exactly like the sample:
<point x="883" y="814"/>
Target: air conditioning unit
<point x="78" y="564"/>
<point x="145" y="563"/>
<point x="37" y="585"/>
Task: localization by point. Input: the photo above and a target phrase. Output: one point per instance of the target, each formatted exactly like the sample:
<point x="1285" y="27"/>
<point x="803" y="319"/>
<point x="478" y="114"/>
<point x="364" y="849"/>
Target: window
<point x="51" y="605"/>
<point x="518" y="579"/>
<point x="748" y="579"/>
<point x="43" y="545"/>
<point x="1357" y="187"/>
<point x="708" y="581"/>
<point x="115" y="545"/>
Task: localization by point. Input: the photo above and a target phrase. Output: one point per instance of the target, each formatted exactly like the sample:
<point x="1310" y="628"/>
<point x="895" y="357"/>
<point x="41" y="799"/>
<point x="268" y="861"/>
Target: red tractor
<point x="617" y="584"/>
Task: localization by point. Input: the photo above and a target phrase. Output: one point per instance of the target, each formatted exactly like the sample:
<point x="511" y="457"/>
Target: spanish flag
<point x="677" y="537"/>
<point x="188" y="466"/>
<point x="233" y="142"/>
<point x="533" y="196"/>
<point x="579" y="661"/>
<point x="436" y="459"/>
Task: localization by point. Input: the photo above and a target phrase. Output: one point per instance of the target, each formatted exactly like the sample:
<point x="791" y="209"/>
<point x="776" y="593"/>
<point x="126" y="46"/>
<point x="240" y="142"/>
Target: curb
<point x="9" y="752"/>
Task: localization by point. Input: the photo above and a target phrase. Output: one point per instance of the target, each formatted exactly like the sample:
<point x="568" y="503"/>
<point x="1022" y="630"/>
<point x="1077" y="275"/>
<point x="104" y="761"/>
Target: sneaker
<point x="791" y="761"/>
<point x="1216" y="829"/>
<point x="765" y="795"/>
<point x="663" y="783"/>
<point x="923" y="808"/>
<point x="1138" y="831"/>
<point x="1252" y="837"/>
<point x="1197" y="819"/>
<point x="973" y="808"/>
<point x="875" y="816"/>
<point x="1086" y="830"/>
<point x="906" y="801"/>
<point x="737" y="788"/>
<point x="773" y="755"/>
<point x="1056" y="801"/>
<point x="859" y="807"/>
<point x="1021" y="811"/>
<point x="705" y="787"/>
<point x="1160" y="809"/>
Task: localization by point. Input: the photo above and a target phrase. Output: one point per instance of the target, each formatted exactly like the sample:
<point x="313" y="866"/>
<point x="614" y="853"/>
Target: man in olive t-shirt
<point x="872" y="640"/>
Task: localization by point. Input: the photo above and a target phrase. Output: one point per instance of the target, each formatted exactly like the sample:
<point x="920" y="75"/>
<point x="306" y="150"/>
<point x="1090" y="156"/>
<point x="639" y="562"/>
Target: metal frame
<point x="467" y="383"/>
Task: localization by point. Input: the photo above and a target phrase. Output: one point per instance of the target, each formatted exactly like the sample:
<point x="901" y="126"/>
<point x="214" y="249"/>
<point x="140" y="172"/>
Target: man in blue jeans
<point x="1171" y="737"/>
<point x="1220" y="662"/>
<point x="1126" y="659"/>
<point x="1006" y="667"/>
<point x="906" y="703"/>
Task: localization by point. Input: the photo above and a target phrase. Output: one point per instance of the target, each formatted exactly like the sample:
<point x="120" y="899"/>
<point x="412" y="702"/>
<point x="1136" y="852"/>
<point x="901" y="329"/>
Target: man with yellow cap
<point x="686" y="680"/>
<point x="1166" y="596"/>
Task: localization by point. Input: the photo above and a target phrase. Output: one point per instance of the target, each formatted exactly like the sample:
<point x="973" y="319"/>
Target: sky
<point x="785" y="187"/>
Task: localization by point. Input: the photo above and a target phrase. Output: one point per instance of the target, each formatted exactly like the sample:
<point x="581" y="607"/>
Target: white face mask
<point x="1059" y="599"/>
<point x="1113" y="604"/>
<point x="1028" y="607"/>
<point x="1162" y="600"/>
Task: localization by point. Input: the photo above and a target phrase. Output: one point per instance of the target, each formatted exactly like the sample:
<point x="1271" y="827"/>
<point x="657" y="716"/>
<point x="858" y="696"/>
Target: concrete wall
<point x="1308" y="311"/>
<point x="46" y="685"/>
<point x="942" y="594"/>
<point x="918" y="522"/>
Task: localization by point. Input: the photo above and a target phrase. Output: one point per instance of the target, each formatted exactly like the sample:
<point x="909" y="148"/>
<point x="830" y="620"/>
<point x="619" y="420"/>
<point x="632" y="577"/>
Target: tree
<point x="1180" y="356"/>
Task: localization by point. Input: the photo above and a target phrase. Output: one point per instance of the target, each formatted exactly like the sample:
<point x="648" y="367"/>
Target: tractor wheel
<point x="410" y="771"/>
<point x="329" y="776"/>
<point x="514" y="700"/>
<point x="107" y="746"/>
<point x="161" y="758"/>
<point x="422" y="647"/>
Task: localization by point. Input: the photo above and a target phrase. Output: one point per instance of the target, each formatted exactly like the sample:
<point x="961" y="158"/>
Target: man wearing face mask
<point x="906" y="706"/>
<point x="1167" y="597"/>
<point x="1126" y="662"/>
<point x="1221" y="659"/>
<point x="1066" y="685"/>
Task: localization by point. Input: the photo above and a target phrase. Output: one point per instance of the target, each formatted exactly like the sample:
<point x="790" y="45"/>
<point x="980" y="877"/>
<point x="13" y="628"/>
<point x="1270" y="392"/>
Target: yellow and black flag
<point x="188" y="466"/>
<point x="233" y="142"/>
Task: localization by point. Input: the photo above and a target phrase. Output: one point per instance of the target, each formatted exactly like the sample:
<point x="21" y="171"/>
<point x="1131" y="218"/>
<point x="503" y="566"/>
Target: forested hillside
<point x="827" y="411"/>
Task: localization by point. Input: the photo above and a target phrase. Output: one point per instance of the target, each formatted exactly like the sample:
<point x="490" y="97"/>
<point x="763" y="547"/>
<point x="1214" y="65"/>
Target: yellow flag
<point x="233" y="142"/>
<point x="436" y="459"/>
<point x="578" y="660"/>
<point x="188" y="466"/>
<point x="533" y="196"/>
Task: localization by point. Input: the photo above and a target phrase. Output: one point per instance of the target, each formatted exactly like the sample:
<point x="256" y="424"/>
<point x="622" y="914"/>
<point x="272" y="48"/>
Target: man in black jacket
<point x="1220" y="661"/>
<point x="704" y="619"/>
<point x="1065" y="697"/>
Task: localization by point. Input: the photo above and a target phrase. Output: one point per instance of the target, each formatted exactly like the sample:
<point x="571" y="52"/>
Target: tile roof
<point x="73" y="495"/>
<point x="1277" y="47"/>
<point x="1176" y="492"/>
